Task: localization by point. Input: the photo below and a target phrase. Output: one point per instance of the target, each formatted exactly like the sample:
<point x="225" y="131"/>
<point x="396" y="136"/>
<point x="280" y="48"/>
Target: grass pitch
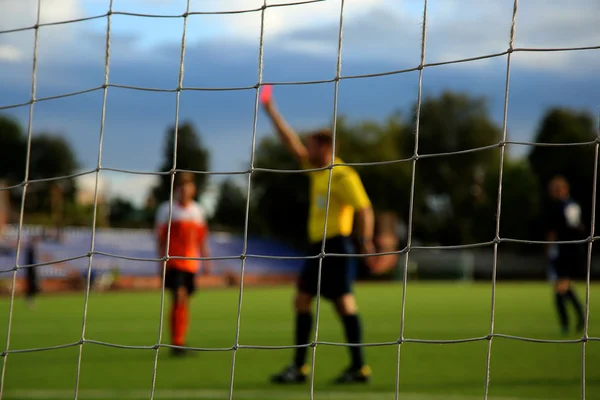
<point x="434" y="311"/>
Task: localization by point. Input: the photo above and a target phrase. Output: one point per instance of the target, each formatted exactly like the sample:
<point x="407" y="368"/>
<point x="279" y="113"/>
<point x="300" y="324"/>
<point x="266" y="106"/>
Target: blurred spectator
<point x="31" y="271"/>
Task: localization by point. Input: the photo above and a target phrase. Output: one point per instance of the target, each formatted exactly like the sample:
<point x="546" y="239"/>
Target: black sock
<point x="303" y="328"/>
<point x="576" y="303"/>
<point x="353" y="331"/>
<point x="562" y="310"/>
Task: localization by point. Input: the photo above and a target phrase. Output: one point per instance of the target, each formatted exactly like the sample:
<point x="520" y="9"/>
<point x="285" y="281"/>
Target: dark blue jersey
<point x="565" y="221"/>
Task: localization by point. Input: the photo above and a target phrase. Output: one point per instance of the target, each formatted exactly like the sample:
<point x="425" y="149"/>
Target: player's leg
<point x="560" y="289"/>
<point x="567" y="267"/>
<point x="298" y="371"/>
<point x="576" y="270"/>
<point x="181" y="303"/>
<point x="172" y="284"/>
<point x="178" y="284"/>
<point x="185" y="291"/>
<point x="306" y="290"/>
<point x="572" y="297"/>
<point x="347" y="310"/>
<point x="303" y="327"/>
<point x="339" y="282"/>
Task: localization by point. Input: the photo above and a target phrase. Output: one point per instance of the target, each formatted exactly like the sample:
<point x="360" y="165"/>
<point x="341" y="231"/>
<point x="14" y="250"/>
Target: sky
<point x="300" y="44"/>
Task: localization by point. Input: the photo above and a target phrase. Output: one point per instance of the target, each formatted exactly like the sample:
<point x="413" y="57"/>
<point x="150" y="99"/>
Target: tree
<point x="191" y="155"/>
<point x="520" y="208"/>
<point x="12" y="150"/>
<point x="575" y="163"/>
<point x="122" y="212"/>
<point x="231" y="207"/>
<point x="51" y="156"/>
<point x="280" y="200"/>
<point x="449" y="185"/>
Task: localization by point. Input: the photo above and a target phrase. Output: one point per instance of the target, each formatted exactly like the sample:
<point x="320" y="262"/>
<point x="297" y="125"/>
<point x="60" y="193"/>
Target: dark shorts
<point x="176" y="278"/>
<point x="337" y="272"/>
<point x="571" y="265"/>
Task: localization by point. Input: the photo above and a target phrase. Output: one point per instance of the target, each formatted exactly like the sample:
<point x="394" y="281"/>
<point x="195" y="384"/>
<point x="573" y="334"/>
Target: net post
<point x="248" y="193"/>
<point x="412" y="200"/>
<point x="499" y="200"/>
<point x="32" y="102"/>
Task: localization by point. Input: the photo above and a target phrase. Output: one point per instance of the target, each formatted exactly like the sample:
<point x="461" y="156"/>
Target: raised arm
<point x="288" y="136"/>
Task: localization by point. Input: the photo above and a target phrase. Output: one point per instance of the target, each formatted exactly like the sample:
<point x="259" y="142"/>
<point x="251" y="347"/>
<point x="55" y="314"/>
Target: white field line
<point x="164" y="394"/>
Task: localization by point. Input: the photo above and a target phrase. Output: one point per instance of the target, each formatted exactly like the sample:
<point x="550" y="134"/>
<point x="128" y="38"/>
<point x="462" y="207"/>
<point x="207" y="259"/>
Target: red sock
<point x="180" y="325"/>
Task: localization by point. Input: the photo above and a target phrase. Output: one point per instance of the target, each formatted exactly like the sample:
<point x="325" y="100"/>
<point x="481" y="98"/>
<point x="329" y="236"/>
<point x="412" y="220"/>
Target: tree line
<point x="50" y="156"/>
<point x="457" y="172"/>
<point x="455" y="192"/>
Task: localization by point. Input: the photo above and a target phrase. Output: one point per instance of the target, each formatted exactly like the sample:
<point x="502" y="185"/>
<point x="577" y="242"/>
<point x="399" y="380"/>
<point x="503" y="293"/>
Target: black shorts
<point x="337" y="272"/>
<point x="571" y="265"/>
<point x="176" y="278"/>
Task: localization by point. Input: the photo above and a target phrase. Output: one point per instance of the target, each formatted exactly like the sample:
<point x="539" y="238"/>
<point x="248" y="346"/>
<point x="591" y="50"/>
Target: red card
<point x="265" y="93"/>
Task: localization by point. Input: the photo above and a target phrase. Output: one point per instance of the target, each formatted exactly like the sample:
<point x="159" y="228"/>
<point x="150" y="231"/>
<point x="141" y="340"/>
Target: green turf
<point x="519" y="370"/>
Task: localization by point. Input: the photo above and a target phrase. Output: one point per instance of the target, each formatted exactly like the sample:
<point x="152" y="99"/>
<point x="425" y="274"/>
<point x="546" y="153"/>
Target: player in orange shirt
<point x="188" y="238"/>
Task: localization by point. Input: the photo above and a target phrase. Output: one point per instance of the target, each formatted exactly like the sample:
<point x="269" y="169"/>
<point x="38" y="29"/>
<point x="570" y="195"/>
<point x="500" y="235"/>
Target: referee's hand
<point x="367" y="247"/>
<point x="378" y="264"/>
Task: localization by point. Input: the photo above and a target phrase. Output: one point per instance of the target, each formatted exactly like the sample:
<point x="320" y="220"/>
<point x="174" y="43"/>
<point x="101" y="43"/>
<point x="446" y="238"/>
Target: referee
<point x="564" y="224"/>
<point x="347" y="199"/>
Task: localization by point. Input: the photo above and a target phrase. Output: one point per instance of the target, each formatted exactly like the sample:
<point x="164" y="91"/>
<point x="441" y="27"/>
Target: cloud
<point x="222" y="51"/>
<point x="281" y="20"/>
<point x="458" y="30"/>
<point x="15" y="14"/>
<point x="136" y="188"/>
<point x="377" y="29"/>
<point x="10" y="53"/>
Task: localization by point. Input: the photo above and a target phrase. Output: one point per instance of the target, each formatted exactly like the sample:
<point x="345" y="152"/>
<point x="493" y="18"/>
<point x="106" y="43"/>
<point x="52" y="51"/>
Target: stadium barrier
<point x="477" y="265"/>
<point x="122" y="259"/>
<point x="125" y="259"/>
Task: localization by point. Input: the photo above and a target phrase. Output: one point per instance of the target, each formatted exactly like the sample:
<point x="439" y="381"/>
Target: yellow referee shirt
<point x="346" y="197"/>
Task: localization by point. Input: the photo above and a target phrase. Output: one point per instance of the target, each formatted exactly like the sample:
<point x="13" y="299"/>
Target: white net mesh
<point x="160" y="344"/>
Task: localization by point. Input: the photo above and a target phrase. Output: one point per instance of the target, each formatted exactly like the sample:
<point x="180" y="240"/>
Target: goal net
<point x="462" y="263"/>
